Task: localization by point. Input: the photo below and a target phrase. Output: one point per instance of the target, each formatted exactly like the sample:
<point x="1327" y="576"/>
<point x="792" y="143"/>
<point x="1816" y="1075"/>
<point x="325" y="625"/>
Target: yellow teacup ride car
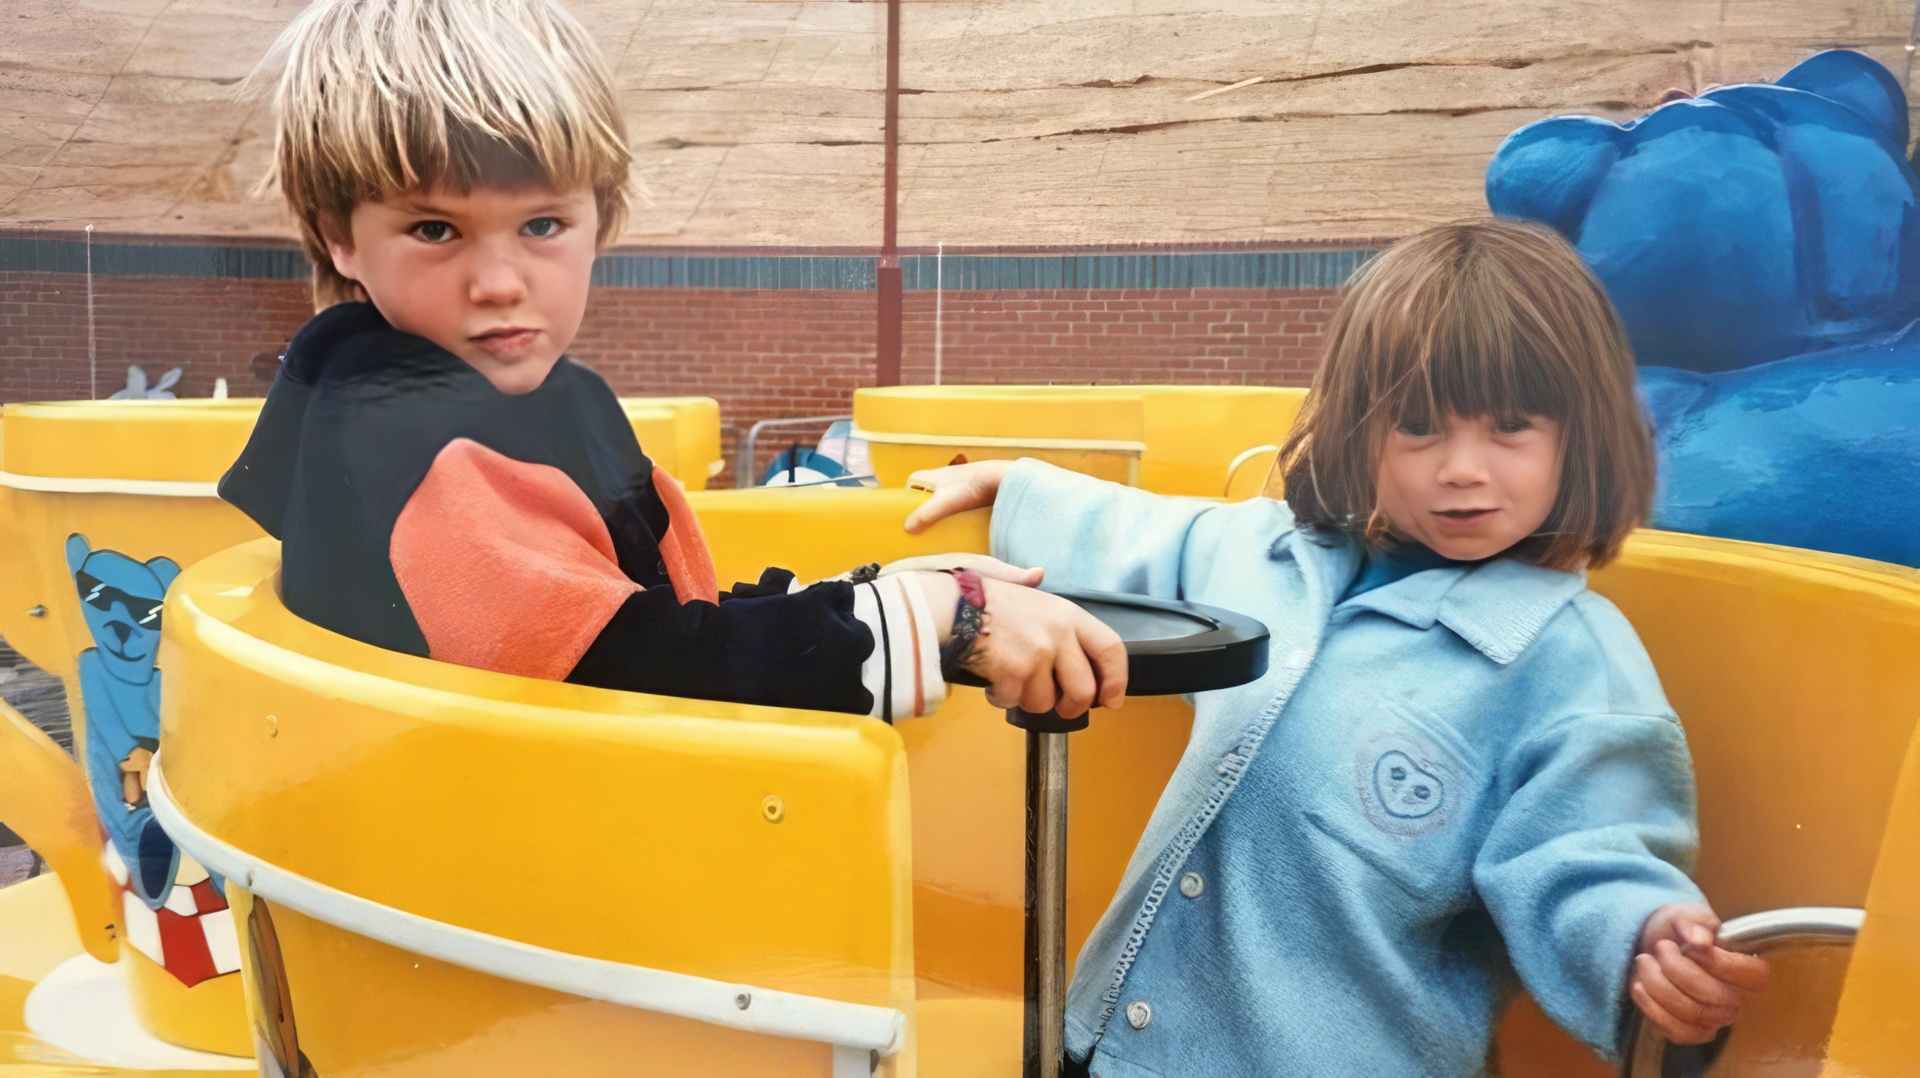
<point x="101" y="503"/>
<point x="441" y="870"/>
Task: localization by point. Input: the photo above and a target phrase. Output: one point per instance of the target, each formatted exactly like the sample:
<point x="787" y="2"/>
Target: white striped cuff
<point x="903" y="672"/>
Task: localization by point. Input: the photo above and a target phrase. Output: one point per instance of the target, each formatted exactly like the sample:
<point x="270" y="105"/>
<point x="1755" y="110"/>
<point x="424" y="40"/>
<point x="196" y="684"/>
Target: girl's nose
<point x="1464" y="465"/>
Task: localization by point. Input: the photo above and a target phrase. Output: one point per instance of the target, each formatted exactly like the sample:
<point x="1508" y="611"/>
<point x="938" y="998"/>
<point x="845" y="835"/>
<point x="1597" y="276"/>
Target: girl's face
<point x="1473" y="488"/>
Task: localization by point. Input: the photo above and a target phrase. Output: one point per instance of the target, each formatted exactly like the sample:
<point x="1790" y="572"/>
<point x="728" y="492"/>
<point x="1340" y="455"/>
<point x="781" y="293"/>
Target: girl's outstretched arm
<point x="1086" y="533"/>
<point x="1594" y="836"/>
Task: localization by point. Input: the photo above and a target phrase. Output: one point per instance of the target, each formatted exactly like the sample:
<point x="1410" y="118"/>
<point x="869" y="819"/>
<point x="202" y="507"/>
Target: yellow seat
<point x="1795" y="675"/>
<point x="1167" y="439"/>
<point x="681" y="434"/>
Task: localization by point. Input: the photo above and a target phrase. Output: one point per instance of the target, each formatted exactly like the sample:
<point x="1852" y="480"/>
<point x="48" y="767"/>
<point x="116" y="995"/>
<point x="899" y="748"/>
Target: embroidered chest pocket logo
<point x="1408" y="785"/>
<point x="1416" y="790"/>
<point x="1404" y="789"/>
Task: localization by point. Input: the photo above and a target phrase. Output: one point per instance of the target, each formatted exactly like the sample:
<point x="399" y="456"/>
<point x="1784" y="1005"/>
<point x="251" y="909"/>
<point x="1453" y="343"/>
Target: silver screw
<point x="36" y="611"/>
<point x="743" y="1001"/>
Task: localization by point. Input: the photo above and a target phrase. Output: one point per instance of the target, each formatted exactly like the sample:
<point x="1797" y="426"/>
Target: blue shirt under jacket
<point x="1442" y="781"/>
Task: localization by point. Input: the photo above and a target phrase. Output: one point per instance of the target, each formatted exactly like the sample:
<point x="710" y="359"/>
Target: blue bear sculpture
<point x="1762" y="245"/>
<point x="121" y="599"/>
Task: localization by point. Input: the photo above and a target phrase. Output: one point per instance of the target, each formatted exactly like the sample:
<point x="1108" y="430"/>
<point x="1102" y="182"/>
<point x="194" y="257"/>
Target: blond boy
<point x="447" y="482"/>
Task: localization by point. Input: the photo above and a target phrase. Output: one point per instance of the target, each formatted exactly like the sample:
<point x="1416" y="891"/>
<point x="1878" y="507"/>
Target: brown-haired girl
<point x="1460" y="767"/>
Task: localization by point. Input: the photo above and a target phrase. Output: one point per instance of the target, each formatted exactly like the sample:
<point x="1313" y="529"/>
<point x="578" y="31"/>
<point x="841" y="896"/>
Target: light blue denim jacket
<point x="1443" y="781"/>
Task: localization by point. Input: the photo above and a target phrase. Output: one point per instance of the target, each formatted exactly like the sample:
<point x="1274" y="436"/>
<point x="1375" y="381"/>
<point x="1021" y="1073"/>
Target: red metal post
<point x="887" y="330"/>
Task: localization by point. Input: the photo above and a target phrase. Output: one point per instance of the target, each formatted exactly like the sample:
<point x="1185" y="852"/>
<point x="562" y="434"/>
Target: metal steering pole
<point x="888" y="279"/>
<point x="1045" y="979"/>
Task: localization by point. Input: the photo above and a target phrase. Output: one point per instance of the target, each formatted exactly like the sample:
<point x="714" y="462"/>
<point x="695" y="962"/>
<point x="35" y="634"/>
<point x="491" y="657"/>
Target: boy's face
<point x="498" y="278"/>
<point x="1473" y="489"/>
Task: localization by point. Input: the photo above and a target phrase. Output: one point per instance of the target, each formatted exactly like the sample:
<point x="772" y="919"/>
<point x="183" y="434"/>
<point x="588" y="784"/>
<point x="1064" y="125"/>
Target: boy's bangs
<point x="466" y="157"/>
<point x="384" y="99"/>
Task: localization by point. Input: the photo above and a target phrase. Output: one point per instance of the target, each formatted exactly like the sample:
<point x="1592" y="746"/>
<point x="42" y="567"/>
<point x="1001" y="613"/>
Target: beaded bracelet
<point x="969" y="623"/>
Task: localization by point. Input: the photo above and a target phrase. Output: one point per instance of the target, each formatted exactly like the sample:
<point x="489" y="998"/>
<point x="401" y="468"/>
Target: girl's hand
<point x="956" y="489"/>
<point x="1685" y="983"/>
<point x="1043" y="653"/>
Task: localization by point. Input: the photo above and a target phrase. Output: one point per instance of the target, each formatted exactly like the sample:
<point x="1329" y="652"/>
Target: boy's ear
<point x="344" y="262"/>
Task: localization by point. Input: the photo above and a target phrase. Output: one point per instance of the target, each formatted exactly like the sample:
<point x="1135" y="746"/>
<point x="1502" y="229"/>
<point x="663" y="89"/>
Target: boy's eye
<point x="543" y="227"/>
<point x="433" y="231"/>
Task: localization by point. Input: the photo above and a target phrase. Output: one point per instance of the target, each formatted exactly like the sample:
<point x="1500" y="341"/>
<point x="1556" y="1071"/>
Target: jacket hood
<point x="261" y="478"/>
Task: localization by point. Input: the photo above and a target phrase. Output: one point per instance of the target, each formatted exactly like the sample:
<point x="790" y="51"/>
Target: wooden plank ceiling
<point x="1025" y="123"/>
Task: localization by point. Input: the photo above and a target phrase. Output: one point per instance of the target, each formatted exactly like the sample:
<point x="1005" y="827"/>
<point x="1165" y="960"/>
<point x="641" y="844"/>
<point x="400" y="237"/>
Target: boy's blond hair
<point x="381" y="98"/>
<point x="1494" y="317"/>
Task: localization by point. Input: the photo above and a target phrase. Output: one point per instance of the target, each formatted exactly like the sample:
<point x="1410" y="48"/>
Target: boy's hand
<point x="1685" y="983"/>
<point x="1043" y="653"/>
<point x="956" y="488"/>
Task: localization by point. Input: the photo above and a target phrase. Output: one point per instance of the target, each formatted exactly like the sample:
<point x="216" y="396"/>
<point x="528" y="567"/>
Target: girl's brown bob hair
<point x="1493" y="317"/>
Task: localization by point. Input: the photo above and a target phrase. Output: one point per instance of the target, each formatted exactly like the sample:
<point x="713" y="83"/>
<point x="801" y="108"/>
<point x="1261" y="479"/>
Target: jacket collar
<point x="1499" y="607"/>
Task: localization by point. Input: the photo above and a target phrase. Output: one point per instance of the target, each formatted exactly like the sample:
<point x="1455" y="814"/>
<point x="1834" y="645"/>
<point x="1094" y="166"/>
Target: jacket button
<point x="1192" y="883"/>
<point x="1139" y="1014"/>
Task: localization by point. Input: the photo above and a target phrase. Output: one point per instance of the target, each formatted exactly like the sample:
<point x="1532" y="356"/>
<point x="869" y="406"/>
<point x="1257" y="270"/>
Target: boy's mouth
<point x="507" y="341"/>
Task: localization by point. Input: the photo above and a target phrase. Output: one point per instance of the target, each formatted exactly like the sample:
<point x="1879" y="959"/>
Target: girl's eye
<point x="1416" y="428"/>
<point x="433" y="231"/>
<point x="1513" y="426"/>
<point x="543" y="227"/>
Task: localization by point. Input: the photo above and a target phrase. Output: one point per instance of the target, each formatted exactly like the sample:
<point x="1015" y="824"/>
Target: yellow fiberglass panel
<point x="967" y="766"/>
<point x="1878" y="1025"/>
<point x="658" y="431"/>
<point x="1100" y="413"/>
<point x="681" y="434"/>
<point x="598" y="823"/>
<point x="1095" y="430"/>
<point x="822" y="531"/>
<point x="357" y="1006"/>
<point x="1793" y="674"/>
<point x="1186" y="438"/>
<point x="46" y="802"/>
<point x="40" y="613"/>
<point x="1195" y="433"/>
<point x="182" y="441"/>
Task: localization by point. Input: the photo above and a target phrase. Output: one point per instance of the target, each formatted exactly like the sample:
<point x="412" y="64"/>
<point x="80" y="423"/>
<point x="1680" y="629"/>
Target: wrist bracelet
<point x="969" y="622"/>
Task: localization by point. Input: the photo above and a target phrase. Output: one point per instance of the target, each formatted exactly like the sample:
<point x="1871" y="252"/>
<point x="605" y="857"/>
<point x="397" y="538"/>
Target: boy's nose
<point x="495" y="281"/>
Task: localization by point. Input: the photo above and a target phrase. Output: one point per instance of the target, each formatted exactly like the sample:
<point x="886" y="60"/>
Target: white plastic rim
<point x="993" y="442"/>
<point x="855" y="1026"/>
<point x="152" y="488"/>
<point x="1247" y="455"/>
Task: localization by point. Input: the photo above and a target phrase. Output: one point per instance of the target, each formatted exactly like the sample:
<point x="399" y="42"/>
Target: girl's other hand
<point x="956" y="488"/>
<point x="1683" y="981"/>
<point x="1043" y="653"/>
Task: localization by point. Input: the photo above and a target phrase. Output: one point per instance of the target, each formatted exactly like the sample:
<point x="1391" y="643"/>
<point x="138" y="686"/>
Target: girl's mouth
<point x="1462" y="518"/>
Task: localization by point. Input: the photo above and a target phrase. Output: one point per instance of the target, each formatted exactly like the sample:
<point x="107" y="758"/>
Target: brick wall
<point x="763" y="353"/>
<point x="211" y="327"/>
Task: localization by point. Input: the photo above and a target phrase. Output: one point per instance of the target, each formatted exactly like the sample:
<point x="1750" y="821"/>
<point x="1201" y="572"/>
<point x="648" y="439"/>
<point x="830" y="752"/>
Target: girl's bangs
<point x="1473" y="360"/>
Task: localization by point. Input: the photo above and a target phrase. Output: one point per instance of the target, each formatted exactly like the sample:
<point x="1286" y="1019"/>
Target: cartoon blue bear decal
<point x="1763" y="247"/>
<point x="121" y="599"/>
